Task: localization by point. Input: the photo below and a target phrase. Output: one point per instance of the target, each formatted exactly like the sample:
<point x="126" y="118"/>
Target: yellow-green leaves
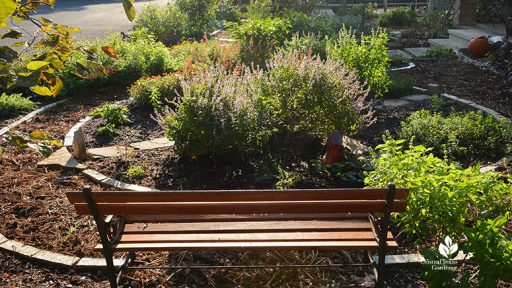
<point x="7" y="7"/>
<point x="129" y="9"/>
<point x="41" y="90"/>
<point x="36" y="65"/>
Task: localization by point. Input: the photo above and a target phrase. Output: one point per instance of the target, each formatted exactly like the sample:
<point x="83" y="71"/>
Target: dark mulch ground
<point x="141" y="127"/>
<point x="466" y="81"/>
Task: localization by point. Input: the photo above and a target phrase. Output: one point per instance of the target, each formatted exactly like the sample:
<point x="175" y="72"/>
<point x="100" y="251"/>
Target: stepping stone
<point x="490" y="168"/>
<point x="417" y="51"/>
<point x="153" y="144"/>
<point x="355" y="146"/>
<point x="418" y="97"/>
<point x="107" y="152"/>
<point x="394" y="102"/>
<point x="62" y="158"/>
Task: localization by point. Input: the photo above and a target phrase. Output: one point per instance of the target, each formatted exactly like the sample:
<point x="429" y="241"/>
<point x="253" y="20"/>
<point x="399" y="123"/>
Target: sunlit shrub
<point x="307" y="95"/>
<point x="168" y="24"/>
<point x="367" y="57"/>
<point x="310" y="44"/>
<point x="193" y="55"/>
<point x="155" y="91"/>
<point x="14" y="104"/>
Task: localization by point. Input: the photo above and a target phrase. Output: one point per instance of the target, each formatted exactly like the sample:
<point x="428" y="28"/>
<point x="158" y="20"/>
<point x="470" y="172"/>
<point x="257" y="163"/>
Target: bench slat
<point x="237" y="195"/>
<point x="243" y="217"/>
<point x="253" y="226"/>
<point x="244" y="246"/>
<point x="256" y="237"/>
<point x="176" y="208"/>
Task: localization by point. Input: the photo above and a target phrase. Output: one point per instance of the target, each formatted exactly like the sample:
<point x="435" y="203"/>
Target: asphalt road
<point x="95" y="18"/>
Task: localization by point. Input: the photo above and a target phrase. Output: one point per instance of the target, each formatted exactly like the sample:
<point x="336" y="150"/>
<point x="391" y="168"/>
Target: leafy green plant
<point x="309" y="96"/>
<point x="259" y="38"/>
<point x="460" y="137"/>
<point x="443" y="197"/>
<point x="310" y="44"/>
<point x="439" y="52"/>
<point x="437" y="103"/>
<point x="398" y="17"/>
<point x="367" y="57"/>
<point x="217" y="114"/>
<point x="114" y="116"/>
<point x="200" y="14"/>
<point x="14" y="104"/>
<point x="135" y="172"/>
<point x="155" y="91"/>
<point x="400" y="85"/>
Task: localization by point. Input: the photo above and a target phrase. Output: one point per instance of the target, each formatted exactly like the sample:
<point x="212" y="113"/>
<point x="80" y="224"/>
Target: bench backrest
<point x="205" y="202"/>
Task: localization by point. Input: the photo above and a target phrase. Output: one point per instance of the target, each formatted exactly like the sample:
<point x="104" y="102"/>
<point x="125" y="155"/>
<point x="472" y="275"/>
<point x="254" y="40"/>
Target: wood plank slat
<point x="243" y="217"/>
<point x="245" y="246"/>
<point x="249" y="226"/>
<point x="177" y="208"/>
<point x="253" y="237"/>
<point x="238" y="195"/>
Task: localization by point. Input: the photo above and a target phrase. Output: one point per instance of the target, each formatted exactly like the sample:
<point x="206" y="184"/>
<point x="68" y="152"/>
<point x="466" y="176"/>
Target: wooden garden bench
<point x="322" y="219"/>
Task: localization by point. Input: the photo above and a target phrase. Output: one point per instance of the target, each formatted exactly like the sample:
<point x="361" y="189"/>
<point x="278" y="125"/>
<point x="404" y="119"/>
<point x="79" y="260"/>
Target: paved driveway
<point x="95" y="18"/>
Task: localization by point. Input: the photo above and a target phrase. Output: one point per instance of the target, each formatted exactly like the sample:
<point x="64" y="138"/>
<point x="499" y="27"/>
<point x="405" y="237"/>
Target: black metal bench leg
<point x="105" y="242"/>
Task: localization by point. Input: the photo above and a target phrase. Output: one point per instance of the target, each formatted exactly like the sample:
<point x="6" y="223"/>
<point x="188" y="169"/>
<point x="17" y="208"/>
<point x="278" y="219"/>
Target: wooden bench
<point x="322" y="219"/>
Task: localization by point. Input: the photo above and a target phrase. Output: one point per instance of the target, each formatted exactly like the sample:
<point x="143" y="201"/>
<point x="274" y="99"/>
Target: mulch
<point x="466" y="81"/>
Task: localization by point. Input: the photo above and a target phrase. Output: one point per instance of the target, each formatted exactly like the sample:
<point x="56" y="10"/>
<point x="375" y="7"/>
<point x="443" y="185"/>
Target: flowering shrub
<point x="307" y="95"/>
<point x="217" y="114"/>
<point x="203" y="54"/>
<point x="367" y="57"/>
<point x="155" y="91"/>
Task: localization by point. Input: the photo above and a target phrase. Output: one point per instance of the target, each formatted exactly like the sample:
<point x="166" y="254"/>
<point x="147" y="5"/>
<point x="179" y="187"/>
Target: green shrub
<point x="398" y="17"/>
<point x="309" y="44"/>
<point x="139" y="56"/>
<point x="113" y="115"/>
<point x="217" y="114"/>
<point x="313" y="97"/>
<point x="227" y="11"/>
<point x="259" y="38"/>
<point x="439" y="52"/>
<point x="168" y="24"/>
<point x="14" y="104"/>
<point x="367" y="57"/>
<point x="460" y="137"/>
<point x="155" y="91"/>
<point x="200" y="14"/>
<point x="258" y="9"/>
<point x="321" y="23"/>
<point x="400" y="85"/>
<point x="447" y="200"/>
<point x="204" y="54"/>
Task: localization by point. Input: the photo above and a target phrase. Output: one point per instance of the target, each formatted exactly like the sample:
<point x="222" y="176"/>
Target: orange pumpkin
<point x="478" y="46"/>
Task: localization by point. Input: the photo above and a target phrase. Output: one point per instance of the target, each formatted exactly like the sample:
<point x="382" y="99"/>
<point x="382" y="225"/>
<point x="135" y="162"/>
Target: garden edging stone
<point x="29" y="116"/>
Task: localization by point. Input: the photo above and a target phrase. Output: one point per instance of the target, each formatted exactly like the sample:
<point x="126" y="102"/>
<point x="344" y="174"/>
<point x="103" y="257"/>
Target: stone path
<point x="62" y="158"/>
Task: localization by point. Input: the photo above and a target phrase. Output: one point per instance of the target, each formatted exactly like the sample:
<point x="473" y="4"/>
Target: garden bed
<point x="466" y="81"/>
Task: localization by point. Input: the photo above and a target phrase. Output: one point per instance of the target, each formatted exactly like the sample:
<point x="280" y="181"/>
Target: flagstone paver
<point x="62" y="158"/>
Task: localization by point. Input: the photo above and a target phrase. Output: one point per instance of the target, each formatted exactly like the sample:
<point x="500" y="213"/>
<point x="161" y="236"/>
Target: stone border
<point x="409" y="66"/>
<point x="53" y="258"/>
<point x="467" y="102"/>
<point x="29" y="116"/>
<point x="102" y="179"/>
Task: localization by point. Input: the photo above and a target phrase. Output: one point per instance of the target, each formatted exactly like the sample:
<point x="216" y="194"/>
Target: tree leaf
<point x="36" y="65"/>
<point x="57" y="87"/>
<point x="41" y="90"/>
<point x="109" y="51"/>
<point x="7" y="7"/>
<point x="129" y="9"/>
<point x="11" y="33"/>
